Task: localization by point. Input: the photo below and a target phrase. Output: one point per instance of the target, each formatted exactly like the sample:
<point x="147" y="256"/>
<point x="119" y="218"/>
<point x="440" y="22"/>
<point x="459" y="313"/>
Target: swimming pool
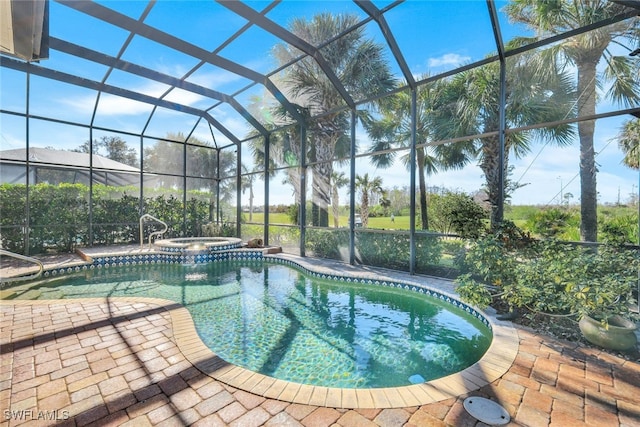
<point x="278" y="321"/>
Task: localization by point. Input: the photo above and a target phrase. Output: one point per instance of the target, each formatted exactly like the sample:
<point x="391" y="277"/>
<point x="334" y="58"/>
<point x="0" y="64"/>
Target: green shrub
<point x="325" y="243"/>
<point x="552" y="222"/>
<point x="293" y="212"/>
<point x="284" y="236"/>
<point x="619" y="229"/>
<point x="429" y="249"/>
<point x="550" y="277"/>
<point x="197" y="214"/>
<point x="169" y="210"/>
<point x="59" y="216"/>
<point x="389" y="250"/>
<point x="456" y="213"/>
<point x="13" y="199"/>
<point x="115" y="220"/>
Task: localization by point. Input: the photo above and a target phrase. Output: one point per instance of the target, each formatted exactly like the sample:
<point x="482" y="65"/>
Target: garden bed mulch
<point x="564" y="328"/>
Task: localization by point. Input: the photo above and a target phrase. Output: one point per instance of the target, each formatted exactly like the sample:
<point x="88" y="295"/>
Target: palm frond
<point x="624" y="73"/>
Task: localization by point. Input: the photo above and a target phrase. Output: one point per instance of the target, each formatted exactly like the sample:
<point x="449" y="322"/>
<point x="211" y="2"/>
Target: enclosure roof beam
<point x="122" y="21"/>
<point x="497" y="34"/>
<point x="60" y="76"/>
<point x="571" y="33"/>
<point x="629" y="3"/>
<point x="110" y="61"/>
<point x="377" y="16"/>
<point x="268" y="25"/>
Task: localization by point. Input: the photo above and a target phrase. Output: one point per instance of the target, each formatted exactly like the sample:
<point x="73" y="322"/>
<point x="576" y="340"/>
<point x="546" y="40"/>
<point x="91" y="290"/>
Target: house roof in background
<point x="58" y="157"/>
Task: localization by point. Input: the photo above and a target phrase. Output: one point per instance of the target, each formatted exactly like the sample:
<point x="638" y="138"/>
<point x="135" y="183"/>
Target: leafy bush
<point x="197" y="214"/>
<point x="552" y="222"/>
<point x="284" y="236"/>
<point x="324" y="243"/>
<point x="389" y="250"/>
<point x="59" y="216"/>
<point x="13" y="199"/>
<point x="115" y="219"/>
<point x="377" y="211"/>
<point x="457" y="213"/>
<point x="550" y="277"/>
<point x="223" y="229"/>
<point x="429" y="249"/>
<point x="169" y="210"/>
<point x="293" y="212"/>
<point x="619" y="229"/>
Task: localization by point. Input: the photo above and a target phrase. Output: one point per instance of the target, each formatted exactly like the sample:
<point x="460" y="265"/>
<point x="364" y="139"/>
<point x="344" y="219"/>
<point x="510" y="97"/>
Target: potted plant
<point x="603" y="301"/>
<point x="616" y="333"/>
<point x="591" y="285"/>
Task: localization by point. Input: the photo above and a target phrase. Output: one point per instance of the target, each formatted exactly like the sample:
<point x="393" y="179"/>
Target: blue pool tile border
<point x="108" y="261"/>
<point x="209" y="249"/>
<point x="174" y="258"/>
<point x="186" y="257"/>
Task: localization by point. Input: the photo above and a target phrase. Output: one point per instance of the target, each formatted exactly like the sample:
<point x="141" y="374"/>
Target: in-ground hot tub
<point x="198" y="244"/>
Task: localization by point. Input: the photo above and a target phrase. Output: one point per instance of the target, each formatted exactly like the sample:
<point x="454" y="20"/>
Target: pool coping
<point x="492" y="365"/>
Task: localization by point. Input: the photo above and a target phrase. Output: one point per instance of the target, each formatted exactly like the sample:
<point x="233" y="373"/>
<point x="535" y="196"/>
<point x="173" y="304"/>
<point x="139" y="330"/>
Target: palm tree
<point x="247" y="181"/>
<point x="367" y="187"/>
<point x="471" y="106"/>
<point x="338" y="180"/>
<point x="585" y="52"/>
<point x="284" y="145"/>
<point x="629" y="143"/>
<point x="363" y="71"/>
<point x="394" y="130"/>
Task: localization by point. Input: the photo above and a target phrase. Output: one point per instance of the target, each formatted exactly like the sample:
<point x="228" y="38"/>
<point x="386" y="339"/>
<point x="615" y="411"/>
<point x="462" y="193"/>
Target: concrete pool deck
<point x="139" y="362"/>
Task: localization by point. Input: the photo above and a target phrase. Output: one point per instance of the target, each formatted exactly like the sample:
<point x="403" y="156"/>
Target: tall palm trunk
<point x="251" y="203"/>
<point x="293" y="178"/>
<point x="490" y="166"/>
<point x="423" y="188"/>
<point x="322" y="170"/>
<point x="588" y="188"/>
<point x="320" y="196"/>
<point x="364" y="208"/>
<point x="335" y="206"/>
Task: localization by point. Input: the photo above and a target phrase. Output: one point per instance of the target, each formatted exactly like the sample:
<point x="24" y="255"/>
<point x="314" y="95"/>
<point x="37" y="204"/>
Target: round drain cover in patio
<point x="487" y="411"/>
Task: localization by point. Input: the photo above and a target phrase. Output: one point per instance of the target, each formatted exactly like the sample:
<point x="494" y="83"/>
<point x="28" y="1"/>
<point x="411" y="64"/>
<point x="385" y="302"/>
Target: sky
<point x="434" y="37"/>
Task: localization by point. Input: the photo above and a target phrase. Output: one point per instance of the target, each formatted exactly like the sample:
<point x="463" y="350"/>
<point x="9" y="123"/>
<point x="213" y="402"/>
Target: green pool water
<point x="275" y="320"/>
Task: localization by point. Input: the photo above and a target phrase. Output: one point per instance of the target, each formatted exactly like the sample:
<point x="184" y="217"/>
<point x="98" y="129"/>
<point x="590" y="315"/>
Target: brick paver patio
<point x="115" y="362"/>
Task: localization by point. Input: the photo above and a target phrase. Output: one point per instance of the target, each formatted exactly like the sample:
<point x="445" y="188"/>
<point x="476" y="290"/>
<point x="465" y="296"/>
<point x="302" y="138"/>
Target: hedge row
<point x="58" y="216"/>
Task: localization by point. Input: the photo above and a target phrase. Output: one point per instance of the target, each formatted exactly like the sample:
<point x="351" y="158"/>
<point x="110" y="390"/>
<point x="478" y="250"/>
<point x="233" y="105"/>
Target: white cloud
<point x="183" y="97"/>
<point x="208" y="76"/>
<point x="111" y="105"/>
<point x="448" y="59"/>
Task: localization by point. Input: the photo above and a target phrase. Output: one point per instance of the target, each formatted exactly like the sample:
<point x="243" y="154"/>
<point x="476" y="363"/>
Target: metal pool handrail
<point x="155" y="233"/>
<point x="24" y="258"/>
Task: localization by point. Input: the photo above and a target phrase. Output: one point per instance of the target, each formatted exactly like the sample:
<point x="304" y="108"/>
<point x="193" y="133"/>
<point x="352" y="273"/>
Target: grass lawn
<point x="399" y="223"/>
<point x="520" y="215"/>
